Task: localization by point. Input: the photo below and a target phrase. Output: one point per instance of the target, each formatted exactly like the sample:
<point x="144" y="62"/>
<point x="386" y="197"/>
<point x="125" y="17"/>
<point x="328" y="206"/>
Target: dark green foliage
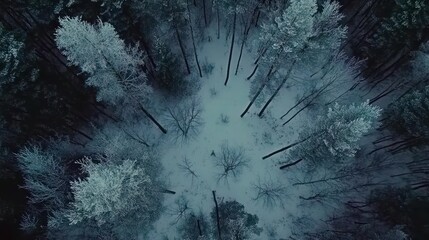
<point x="410" y="115"/>
<point x="169" y="76"/>
<point x="235" y="223"/>
<point x="403" y="26"/>
<point x="400" y="206"/>
<point x="190" y="230"/>
<point x="36" y="101"/>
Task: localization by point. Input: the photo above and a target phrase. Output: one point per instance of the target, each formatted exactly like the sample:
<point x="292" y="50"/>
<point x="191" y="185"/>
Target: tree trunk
<point x="254" y="71"/>
<point x="241" y="53"/>
<point x="291" y="164"/>
<point x="168" y="191"/>
<point x="277" y="90"/>
<point x="258" y="92"/>
<point x="182" y="49"/>
<point x="296" y="114"/>
<point x="388" y="146"/>
<point x="195" y="49"/>
<point x="217" y="216"/>
<point x="290" y="146"/>
<point x="153" y="119"/>
<point x="200" y="232"/>
<point x="205" y="14"/>
<point x="296" y="105"/>
<point x="231" y="49"/>
<point x="218" y="22"/>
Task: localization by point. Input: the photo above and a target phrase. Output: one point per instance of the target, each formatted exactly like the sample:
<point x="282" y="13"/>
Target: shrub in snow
<point x="207" y="68"/>
<point x="235" y="223"/>
<point x="224" y="118"/>
<point x="231" y="160"/>
<point x="213" y="92"/>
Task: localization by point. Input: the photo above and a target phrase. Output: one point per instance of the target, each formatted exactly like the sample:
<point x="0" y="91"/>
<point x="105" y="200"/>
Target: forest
<point x="214" y="119"/>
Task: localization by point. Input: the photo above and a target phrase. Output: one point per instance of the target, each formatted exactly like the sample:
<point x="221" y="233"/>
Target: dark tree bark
<point x="200" y="232"/>
<point x="182" y="49"/>
<point x="258" y="92"/>
<point x="168" y="191"/>
<point x="277" y="90"/>
<point x="231" y="49"/>
<point x="218" y="21"/>
<point x="241" y="53"/>
<point x="290" y="146"/>
<point x="153" y="119"/>
<point x="195" y="50"/>
<point x="291" y="164"/>
<point x="205" y="14"/>
<point x="217" y="216"/>
<point x="253" y="72"/>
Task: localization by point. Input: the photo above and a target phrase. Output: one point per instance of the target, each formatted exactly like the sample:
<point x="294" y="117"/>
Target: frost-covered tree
<point x="44" y="177"/>
<point x="298" y="35"/>
<point x="333" y="138"/>
<point x="235" y="222"/>
<point x="123" y="196"/>
<point x="319" y="46"/>
<point x="113" y="68"/>
<point x="285" y="32"/>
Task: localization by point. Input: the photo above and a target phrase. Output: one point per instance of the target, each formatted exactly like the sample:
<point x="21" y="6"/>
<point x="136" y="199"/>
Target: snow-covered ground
<point x="258" y="137"/>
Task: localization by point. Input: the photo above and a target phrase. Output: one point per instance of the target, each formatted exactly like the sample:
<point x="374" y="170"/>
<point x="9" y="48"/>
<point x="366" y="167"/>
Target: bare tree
<point x="180" y="209"/>
<point x="187" y="167"/>
<point x="185" y="120"/>
<point x="270" y="192"/>
<point x="232" y="160"/>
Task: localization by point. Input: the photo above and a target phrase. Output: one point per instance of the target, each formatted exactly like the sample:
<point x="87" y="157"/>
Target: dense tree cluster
<point x="88" y="87"/>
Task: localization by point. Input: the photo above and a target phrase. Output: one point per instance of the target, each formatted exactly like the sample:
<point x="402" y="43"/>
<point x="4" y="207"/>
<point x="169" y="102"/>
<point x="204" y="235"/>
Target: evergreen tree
<point x="333" y="139"/>
<point x="235" y="222"/>
<point x="45" y="178"/>
<point x="409" y="116"/>
<point x="120" y="195"/>
<point x="112" y="67"/>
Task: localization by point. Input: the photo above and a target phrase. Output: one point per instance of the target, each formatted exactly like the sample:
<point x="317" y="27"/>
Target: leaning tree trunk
<point x="292" y="145"/>
<point x="245" y="34"/>
<point x="217" y="216"/>
<point x="258" y="92"/>
<point x="218" y="21"/>
<point x="153" y="119"/>
<point x="241" y="53"/>
<point x="231" y="49"/>
<point x="277" y="90"/>
<point x="193" y="44"/>
<point x="205" y="13"/>
<point x="182" y="49"/>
